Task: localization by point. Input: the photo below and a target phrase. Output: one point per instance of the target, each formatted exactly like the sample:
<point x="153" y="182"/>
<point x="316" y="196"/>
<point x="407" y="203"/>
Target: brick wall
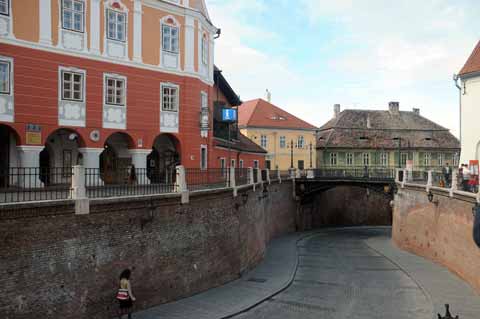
<point x="59" y="265"/>
<point x="440" y="231"/>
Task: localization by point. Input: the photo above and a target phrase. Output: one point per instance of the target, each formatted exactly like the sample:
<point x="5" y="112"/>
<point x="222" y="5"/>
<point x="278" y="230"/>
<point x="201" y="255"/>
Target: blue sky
<point x="359" y="53"/>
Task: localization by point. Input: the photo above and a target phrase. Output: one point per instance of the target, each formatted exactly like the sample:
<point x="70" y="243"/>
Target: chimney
<point x="416" y="111"/>
<point x="268" y="96"/>
<point x="336" y="110"/>
<point x="394" y="107"/>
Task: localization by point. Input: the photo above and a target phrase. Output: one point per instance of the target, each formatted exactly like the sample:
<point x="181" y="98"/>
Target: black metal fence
<point x="241" y="176"/>
<point x="126" y="182"/>
<point x="35" y="184"/>
<point x="255" y="175"/>
<point x="274" y="175"/>
<point x="351" y="173"/>
<point x="199" y="179"/>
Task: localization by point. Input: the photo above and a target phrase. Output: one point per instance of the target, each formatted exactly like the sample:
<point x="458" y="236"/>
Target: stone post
<point x="429" y="181"/>
<point x="405" y="177"/>
<point x="79" y="191"/>
<point x="233" y="183"/>
<point x="454" y="186"/>
<point x="310" y="174"/>
<point x="268" y="176"/>
<point x="181" y="185"/>
<point x="298" y="173"/>
<point x="251" y="181"/>
<point x="279" y="176"/>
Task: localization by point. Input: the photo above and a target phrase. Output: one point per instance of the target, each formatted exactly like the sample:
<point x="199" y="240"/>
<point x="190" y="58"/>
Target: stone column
<point x="45" y="22"/>
<point x="137" y="31"/>
<point x="139" y="160"/>
<point x="454" y="186"/>
<point x="279" y="176"/>
<point x="233" y="183"/>
<point x="268" y="176"/>
<point x="429" y="181"/>
<point x="181" y="184"/>
<point x="29" y="174"/>
<point x="91" y="163"/>
<point x="95" y="27"/>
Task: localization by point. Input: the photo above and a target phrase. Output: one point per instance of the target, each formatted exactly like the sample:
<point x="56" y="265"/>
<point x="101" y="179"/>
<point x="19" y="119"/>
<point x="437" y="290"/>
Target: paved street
<point x="341" y="273"/>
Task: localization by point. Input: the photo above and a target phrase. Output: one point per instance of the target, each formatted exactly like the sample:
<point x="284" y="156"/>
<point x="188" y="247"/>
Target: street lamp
<point x="291" y="154"/>
<point x="310" y="154"/>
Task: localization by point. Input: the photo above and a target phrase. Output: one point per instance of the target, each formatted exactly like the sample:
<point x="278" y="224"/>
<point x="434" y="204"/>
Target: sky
<point x="362" y="54"/>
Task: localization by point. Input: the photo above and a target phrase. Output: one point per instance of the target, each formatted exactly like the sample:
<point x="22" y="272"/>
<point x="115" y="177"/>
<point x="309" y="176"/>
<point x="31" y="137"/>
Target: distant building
<point x="470" y="112"/>
<point x="390" y="138"/>
<point x="278" y="131"/>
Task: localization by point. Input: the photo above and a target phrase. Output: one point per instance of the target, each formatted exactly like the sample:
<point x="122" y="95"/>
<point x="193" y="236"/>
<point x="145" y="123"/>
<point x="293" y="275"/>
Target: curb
<point x="285" y="287"/>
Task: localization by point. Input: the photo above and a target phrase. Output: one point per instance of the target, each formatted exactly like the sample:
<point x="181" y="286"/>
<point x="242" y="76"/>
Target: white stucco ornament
<point x="4" y="26"/>
<point x="3" y="106"/>
<point x="72" y="111"/>
<point x="114" y="115"/>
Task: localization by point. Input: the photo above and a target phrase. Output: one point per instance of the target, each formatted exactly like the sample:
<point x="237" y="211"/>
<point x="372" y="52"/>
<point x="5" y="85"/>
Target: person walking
<point x="447" y="173"/>
<point x="124" y="295"/>
<point x="465" y="178"/>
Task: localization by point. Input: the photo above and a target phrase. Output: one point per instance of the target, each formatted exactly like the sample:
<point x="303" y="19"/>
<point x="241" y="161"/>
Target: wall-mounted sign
<point x="34" y="138"/>
<point x="229" y="115"/>
<point x="33" y="128"/>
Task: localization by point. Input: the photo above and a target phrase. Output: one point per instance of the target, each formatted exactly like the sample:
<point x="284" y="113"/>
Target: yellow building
<point x="287" y="139"/>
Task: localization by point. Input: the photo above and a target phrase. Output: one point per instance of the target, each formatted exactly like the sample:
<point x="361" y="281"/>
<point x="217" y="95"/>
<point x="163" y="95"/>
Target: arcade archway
<point x="8" y="154"/>
<point x="115" y="160"/>
<point x="163" y="160"/>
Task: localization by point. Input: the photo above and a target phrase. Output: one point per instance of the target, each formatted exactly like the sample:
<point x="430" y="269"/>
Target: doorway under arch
<point x="115" y="160"/>
<point x="9" y="140"/>
<point x="163" y="160"/>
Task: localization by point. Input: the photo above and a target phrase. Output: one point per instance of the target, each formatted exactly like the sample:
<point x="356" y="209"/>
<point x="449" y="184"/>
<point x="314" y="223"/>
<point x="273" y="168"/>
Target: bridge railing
<point x="356" y="173"/>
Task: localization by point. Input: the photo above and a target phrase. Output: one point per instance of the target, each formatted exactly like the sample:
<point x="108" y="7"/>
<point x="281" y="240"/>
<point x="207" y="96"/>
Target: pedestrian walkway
<point x="442" y="286"/>
<point x="272" y="275"/>
<point x="277" y="271"/>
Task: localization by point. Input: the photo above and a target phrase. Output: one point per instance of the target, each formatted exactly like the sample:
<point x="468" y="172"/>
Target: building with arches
<point x="106" y="84"/>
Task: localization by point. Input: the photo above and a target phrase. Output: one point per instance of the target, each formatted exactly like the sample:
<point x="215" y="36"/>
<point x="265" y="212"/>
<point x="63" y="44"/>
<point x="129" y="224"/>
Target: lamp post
<point x="291" y="154"/>
<point x="310" y="154"/>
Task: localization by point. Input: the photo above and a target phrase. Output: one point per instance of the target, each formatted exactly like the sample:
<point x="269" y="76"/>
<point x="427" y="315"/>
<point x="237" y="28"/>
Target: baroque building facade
<point x="106" y="83"/>
<point x="390" y="139"/>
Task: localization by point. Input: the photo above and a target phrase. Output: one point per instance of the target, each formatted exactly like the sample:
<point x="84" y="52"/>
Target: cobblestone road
<point x="340" y="276"/>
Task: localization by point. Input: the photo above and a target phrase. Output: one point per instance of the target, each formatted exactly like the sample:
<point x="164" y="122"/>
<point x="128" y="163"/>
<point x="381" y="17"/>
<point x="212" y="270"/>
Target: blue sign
<point x="229" y="115"/>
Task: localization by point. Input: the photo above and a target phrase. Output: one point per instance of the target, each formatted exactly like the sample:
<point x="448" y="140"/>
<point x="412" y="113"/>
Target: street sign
<point x="229" y="115"/>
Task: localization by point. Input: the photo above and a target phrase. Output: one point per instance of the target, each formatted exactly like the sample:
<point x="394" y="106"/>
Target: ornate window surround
<point x="114" y="48"/>
<point x="7" y="108"/>
<point x="167" y="58"/>
<point x="72" y="40"/>
<point x="113" y="107"/>
<point x="71" y="112"/>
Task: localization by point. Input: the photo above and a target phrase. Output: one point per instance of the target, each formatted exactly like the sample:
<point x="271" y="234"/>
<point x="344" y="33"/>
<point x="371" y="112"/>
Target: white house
<point x="469" y="87"/>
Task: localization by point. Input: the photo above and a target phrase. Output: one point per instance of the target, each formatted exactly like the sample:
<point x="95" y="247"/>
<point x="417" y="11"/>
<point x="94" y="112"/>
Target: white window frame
<point x="301" y="141"/>
<point x="223" y="163"/>
<point x="283" y="142"/>
<point x="9" y="63"/>
<point x="402" y="156"/>
<point x="205" y="49"/>
<point x="366" y="159"/>
<point x="333" y="159"/>
<point x="204" y="100"/>
<point x="441" y="159"/>
<point x="264" y="141"/>
<point x="72" y="71"/>
<point x="203" y="160"/>
<point x="384" y="159"/>
<point x="233" y="163"/>
<point x="116" y="78"/>
<point x="240" y="164"/>
<point x="256" y="164"/>
<point x="176" y="105"/>
<point x="115" y="36"/>
<point x="7" y="3"/>
<point x="167" y="31"/>
<point x="349" y="159"/>
<point x="73" y="13"/>
<point x="427" y="159"/>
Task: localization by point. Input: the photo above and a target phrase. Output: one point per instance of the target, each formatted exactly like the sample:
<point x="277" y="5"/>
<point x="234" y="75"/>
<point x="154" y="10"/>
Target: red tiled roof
<point x="260" y="113"/>
<point x="473" y="63"/>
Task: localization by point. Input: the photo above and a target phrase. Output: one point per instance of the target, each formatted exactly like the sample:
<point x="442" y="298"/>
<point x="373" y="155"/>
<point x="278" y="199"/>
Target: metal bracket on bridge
<point x="447" y="314"/>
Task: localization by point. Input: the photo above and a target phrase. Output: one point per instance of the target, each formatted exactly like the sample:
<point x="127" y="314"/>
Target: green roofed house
<point x="391" y="138"/>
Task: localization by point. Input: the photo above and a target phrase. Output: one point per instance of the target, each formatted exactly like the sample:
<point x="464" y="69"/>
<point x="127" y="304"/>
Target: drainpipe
<point x="456" y="79"/>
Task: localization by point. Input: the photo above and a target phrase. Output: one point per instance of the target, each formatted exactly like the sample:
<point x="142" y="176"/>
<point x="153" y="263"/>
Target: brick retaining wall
<point x="59" y="265"/>
<point x="440" y="231"/>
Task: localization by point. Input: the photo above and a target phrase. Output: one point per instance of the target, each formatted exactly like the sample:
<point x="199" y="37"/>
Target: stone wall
<point x="56" y="264"/>
<point x="348" y="206"/>
<point x="440" y="230"/>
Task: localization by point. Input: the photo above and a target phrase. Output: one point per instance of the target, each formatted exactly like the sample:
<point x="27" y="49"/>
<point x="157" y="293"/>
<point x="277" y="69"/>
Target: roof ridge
<point x="470" y="65"/>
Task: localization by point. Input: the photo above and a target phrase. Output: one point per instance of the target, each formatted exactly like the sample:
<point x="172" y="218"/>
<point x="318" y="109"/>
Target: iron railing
<point x="241" y="176"/>
<point x="350" y="173"/>
<point x="35" y="184"/>
<point x="199" y="179"/>
<point x="127" y="182"/>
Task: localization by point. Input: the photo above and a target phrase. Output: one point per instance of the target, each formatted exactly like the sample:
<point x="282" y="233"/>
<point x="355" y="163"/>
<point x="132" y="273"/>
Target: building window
<point x="255" y="164"/>
<point x="403" y="159"/>
<point x="205" y="49"/>
<point x="268" y="164"/>
<point x="233" y="163"/>
<point x="203" y="157"/>
<point x="4" y="7"/>
<point x="222" y="163"/>
<point x="440" y="159"/>
<point x="301" y="165"/>
<point x="263" y="141"/>
<point x="241" y="163"/>
<point x="427" y="158"/>
<point x="282" y="142"/>
<point x="204" y="97"/>
<point x="169" y="98"/>
<point x="301" y="142"/>
<point x="115" y="91"/>
<point x="384" y="159"/>
<point x="170" y="38"/>
<point x="455" y="160"/>
<point x="116" y="25"/>
<point x="72" y="86"/>
<point x="349" y="159"/>
<point x="73" y="12"/>
<point x="5" y="80"/>
<point x="366" y="159"/>
<point x="333" y="159"/>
